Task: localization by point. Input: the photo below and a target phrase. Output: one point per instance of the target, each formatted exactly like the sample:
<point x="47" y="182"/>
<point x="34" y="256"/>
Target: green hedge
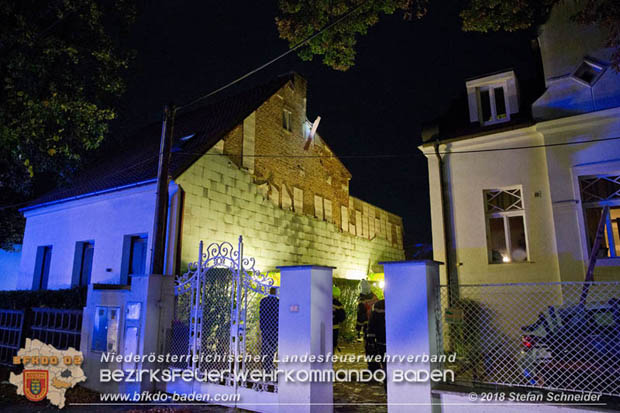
<point x="69" y="299"/>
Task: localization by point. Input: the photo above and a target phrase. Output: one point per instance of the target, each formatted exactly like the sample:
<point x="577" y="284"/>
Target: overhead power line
<point x="357" y="156"/>
<point x="405" y="155"/>
<point x="275" y="59"/>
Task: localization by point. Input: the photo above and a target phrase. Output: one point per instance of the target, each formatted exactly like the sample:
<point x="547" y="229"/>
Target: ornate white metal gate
<point x="226" y="314"/>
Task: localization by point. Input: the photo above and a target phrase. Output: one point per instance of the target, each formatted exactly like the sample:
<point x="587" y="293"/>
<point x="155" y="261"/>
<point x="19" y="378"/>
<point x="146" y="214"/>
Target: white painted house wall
<point x="564" y="44"/>
<point x="104" y="219"/>
<point x="221" y="203"/>
<point x="556" y="233"/>
<point x="9" y="267"/>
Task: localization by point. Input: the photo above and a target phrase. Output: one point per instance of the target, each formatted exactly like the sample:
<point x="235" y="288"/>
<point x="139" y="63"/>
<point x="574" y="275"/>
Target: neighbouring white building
<point x="225" y="182"/>
<point x="524" y="182"/>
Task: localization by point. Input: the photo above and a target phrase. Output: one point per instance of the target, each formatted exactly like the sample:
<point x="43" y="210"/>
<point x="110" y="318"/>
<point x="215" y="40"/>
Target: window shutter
<point x="318" y="207"/>
<point x="38" y="268"/>
<point x="77" y="263"/>
<point x="298" y="200"/>
<point x="274" y="196"/>
<point x="125" y="260"/>
<point x="286" y="198"/>
<point x="328" y="210"/>
<point x="371" y="223"/>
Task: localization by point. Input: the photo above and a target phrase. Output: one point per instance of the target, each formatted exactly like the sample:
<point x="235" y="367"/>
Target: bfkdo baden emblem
<point x="36" y="384"/>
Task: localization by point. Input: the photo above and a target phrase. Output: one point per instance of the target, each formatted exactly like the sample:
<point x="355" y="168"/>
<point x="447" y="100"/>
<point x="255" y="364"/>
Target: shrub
<point x="67" y="299"/>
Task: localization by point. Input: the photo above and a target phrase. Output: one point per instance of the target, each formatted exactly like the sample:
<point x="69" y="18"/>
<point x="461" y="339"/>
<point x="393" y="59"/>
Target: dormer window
<point x="493" y="104"/>
<point x="492" y="99"/>
<point x="588" y="72"/>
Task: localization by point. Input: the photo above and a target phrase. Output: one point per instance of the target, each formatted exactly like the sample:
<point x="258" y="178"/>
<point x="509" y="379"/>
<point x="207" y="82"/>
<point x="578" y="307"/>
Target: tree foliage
<point x="301" y="18"/>
<point x="605" y="14"/>
<point x="61" y="72"/>
<point x="298" y="19"/>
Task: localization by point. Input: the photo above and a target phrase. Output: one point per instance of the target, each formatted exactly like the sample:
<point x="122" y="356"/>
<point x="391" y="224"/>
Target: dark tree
<point x="300" y="18"/>
<point x="61" y="74"/>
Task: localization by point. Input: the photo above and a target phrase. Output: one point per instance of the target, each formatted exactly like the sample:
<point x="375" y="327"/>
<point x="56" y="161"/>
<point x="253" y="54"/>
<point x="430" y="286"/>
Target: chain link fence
<point x="555" y="336"/>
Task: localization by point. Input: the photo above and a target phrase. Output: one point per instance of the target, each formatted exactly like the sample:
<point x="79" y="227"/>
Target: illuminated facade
<point x="245" y="165"/>
<point x="526" y="215"/>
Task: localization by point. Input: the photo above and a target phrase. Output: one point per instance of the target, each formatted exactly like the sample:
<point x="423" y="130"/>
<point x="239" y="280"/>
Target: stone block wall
<point x="221" y="202"/>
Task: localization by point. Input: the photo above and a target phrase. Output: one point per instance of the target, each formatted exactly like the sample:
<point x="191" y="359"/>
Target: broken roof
<point x="138" y="163"/>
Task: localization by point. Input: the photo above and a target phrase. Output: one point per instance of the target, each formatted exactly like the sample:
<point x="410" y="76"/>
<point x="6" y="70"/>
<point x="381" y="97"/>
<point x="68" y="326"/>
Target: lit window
<point x="588" y="72"/>
<point x="596" y="192"/>
<point x="492" y="105"/>
<point x="286" y="120"/>
<point x="506" y="235"/>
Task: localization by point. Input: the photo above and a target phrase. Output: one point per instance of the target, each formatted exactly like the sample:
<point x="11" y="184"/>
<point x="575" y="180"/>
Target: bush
<point x="67" y="299"/>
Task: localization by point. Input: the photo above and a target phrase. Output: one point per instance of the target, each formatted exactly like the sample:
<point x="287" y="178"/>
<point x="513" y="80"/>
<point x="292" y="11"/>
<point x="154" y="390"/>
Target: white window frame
<point x="505" y="215"/>
<point x="491" y="89"/>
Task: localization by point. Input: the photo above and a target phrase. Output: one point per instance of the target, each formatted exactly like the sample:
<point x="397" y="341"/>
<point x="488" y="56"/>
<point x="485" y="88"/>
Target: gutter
<point x="89" y="194"/>
<point x="444" y="218"/>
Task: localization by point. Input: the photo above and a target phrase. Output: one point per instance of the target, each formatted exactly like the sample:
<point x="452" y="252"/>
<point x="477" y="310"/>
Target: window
<point x="492" y="105"/>
<point x="596" y="192"/>
<point x="286" y="120"/>
<point x="505" y="218"/>
<point x="588" y="72"/>
<point x="82" y="263"/>
<point x="42" y="268"/>
<point x="105" y="329"/>
<point x="134" y="257"/>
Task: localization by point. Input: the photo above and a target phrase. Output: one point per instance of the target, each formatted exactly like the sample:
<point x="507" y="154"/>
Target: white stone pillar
<point x="410" y="291"/>
<point x="305" y="330"/>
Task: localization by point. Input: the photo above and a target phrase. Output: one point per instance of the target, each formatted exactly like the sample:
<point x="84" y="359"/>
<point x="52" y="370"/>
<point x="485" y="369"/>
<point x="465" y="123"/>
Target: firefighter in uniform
<point x="338" y="315"/>
<point x="364" y="307"/>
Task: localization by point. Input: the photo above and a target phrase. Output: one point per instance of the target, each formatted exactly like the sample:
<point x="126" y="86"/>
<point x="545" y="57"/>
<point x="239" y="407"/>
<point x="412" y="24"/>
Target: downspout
<point x="444" y="217"/>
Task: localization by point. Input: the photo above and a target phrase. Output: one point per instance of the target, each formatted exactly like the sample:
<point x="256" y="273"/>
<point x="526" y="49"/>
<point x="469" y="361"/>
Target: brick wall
<point x="319" y="179"/>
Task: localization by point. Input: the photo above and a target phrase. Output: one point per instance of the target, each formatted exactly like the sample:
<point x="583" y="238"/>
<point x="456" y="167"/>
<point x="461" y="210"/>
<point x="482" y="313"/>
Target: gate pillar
<point x="411" y="293"/>
<point x="305" y="330"/>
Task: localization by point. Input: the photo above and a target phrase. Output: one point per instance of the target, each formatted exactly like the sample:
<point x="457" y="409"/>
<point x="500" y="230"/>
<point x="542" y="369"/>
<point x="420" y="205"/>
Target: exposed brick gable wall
<point x="281" y="159"/>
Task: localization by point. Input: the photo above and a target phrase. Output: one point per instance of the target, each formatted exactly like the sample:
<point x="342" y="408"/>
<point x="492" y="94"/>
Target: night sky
<point x="407" y="74"/>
